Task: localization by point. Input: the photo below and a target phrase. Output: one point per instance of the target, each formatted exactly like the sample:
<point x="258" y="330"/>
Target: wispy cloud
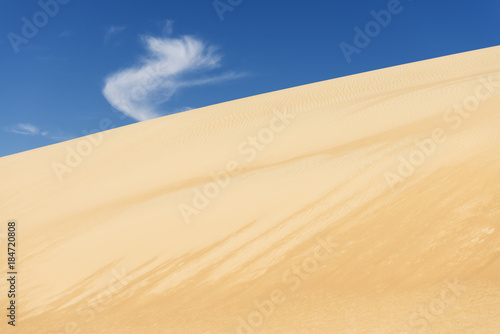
<point x="170" y="64"/>
<point x="32" y="130"/>
<point x="113" y="30"/>
<point x="24" y="129"/>
<point x="167" y="27"/>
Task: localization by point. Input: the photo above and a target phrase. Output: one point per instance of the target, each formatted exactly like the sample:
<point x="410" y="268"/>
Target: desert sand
<point x="363" y="204"/>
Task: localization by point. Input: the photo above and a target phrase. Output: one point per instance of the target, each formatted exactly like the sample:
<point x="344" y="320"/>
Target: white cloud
<point x="32" y="130"/>
<point x="24" y="129"/>
<point x="169" y="65"/>
<point x="113" y="30"/>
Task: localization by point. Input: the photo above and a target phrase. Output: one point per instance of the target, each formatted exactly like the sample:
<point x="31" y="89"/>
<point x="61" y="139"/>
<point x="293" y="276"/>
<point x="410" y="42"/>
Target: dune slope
<point x="363" y="204"/>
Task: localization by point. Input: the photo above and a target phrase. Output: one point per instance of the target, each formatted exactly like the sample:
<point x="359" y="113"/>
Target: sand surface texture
<point x="363" y="204"/>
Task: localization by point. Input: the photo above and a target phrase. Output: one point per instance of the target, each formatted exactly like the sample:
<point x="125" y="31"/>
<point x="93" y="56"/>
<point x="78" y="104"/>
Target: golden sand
<point x="363" y="204"/>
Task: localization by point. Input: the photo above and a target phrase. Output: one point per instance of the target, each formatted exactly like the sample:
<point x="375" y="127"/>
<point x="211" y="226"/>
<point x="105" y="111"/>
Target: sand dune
<point x="363" y="204"/>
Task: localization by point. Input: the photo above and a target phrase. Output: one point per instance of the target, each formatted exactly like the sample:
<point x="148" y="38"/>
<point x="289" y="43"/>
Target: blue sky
<point x="67" y="64"/>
